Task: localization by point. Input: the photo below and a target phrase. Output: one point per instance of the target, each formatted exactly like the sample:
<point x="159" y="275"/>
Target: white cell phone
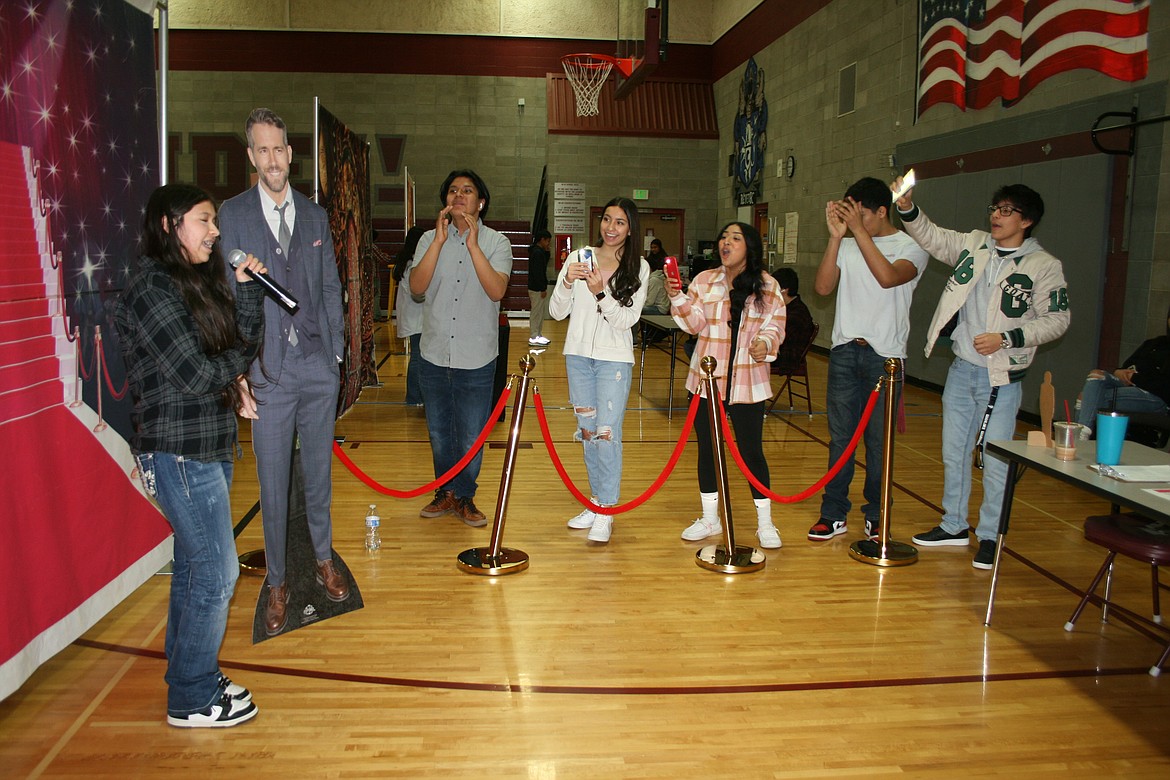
<point x="587" y="257"/>
<point x="908" y="183"/>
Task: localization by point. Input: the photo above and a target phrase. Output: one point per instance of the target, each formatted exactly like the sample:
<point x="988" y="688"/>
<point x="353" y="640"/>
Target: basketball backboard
<point x="641" y="42"/>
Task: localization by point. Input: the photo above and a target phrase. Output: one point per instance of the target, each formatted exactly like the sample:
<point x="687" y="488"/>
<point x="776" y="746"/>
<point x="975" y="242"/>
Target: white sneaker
<point x="601" y="529"/>
<point x="769" y="537"/>
<point x="583" y="520"/>
<point x="701" y="529"/>
<point x="233" y="690"/>
<point x="538" y="341"/>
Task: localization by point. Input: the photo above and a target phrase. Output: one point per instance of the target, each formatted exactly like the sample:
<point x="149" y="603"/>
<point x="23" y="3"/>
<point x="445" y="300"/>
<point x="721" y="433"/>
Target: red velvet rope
<point x="439" y="481"/>
<point x="81" y="358"/>
<point x="75" y="333"/>
<point x="802" y="495"/>
<point x="619" y="508"/>
<point x="117" y="394"/>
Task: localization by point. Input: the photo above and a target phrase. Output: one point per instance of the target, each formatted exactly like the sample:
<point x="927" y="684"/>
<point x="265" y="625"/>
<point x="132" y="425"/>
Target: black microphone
<point x="274" y="290"/>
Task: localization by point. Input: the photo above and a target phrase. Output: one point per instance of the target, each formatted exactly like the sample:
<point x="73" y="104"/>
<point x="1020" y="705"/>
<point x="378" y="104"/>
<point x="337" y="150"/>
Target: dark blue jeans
<point x="413" y="386"/>
<point x="458" y="402"/>
<point x="853" y="372"/>
<point x="194" y="497"/>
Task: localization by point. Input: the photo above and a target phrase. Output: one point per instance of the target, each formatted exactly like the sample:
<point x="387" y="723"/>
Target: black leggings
<point x="747" y="420"/>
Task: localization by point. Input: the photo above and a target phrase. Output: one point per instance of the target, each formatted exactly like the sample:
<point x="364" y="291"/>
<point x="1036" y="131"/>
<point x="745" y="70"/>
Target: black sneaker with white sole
<point x="937" y="537"/>
<point x="223" y="713"/>
<point x="985" y="558"/>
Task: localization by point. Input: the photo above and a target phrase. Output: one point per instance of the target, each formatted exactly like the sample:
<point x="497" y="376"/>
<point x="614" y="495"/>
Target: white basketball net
<point x="586" y="73"/>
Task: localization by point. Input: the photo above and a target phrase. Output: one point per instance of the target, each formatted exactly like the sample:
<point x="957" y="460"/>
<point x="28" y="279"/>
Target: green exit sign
<point x="641" y="194"/>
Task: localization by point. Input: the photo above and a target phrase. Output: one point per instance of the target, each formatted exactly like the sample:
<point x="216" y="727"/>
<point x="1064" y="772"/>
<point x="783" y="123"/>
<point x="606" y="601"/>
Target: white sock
<point x="710" y="508"/>
<point x="763" y="511"/>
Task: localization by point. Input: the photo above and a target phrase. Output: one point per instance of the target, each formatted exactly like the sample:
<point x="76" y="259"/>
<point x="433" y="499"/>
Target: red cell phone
<point x="670" y="267"/>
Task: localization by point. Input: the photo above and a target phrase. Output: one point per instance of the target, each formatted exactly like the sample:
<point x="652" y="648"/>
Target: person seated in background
<point x="1143" y="385"/>
<point x="657" y="299"/>
<point x="657" y="255"/>
<point x="799" y="325"/>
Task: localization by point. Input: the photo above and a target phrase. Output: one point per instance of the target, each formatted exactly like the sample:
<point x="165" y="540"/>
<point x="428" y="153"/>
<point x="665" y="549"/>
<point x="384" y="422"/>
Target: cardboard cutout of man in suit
<point x="296" y="380"/>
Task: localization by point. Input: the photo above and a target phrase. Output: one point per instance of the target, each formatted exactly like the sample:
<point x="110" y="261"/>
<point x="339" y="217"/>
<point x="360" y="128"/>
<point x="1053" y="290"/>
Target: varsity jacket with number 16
<point x="1032" y="307"/>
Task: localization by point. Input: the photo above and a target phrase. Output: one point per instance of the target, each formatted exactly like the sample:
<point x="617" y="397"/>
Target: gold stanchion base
<point x="479" y="560"/>
<point x="744" y="560"/>
<point x="896" y="553"/>
<point x="254" y="563"/>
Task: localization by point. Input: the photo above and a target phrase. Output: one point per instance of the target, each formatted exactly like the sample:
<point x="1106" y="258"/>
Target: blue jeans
<point x="194" y="497"/>
<point x="854" y="370"/>
<point x="1099" y="394"/>
<point x="599" y="391"/>
<point x="413" y="385"/>
<point x="964" y="404"/>
<point x="458" y="402"/>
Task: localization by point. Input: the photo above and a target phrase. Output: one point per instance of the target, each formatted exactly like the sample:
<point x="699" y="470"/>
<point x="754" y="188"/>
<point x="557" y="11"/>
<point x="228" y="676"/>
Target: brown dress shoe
<point x="469" y="514"/>
<point x="336" y="588"/>
<point x="443" y="503"/>
<point x="276" y="613"/>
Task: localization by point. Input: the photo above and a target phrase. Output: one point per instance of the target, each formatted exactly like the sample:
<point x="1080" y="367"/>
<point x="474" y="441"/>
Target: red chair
<point x="797" y="375"/>
<point x="1134" y="537"/>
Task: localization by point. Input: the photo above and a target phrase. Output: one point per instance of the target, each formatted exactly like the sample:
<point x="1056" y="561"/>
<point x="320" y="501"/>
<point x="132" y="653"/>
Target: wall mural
<point x="751" y="137"/>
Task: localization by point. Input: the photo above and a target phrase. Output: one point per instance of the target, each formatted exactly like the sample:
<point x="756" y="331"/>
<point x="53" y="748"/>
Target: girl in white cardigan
<point x="602" y="290"/>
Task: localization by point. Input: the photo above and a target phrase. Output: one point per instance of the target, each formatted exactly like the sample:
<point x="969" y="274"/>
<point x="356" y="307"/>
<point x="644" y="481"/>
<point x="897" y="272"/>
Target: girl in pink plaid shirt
<point x="735" y="309"/>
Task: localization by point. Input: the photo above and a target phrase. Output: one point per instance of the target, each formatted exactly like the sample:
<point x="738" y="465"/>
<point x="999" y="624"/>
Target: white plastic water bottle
<point x="373" y="532"/>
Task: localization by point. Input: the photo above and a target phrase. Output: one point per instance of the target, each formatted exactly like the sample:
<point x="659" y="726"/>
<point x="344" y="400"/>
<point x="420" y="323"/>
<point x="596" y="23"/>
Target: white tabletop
<point x="1131" y="495"/>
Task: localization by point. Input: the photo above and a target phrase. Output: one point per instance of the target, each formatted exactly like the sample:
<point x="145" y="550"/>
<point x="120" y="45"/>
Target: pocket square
<point x="317" y="242"/>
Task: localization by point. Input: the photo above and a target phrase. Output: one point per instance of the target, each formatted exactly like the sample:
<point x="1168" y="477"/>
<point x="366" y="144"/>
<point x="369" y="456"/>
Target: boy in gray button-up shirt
<point x="462" y="266"/>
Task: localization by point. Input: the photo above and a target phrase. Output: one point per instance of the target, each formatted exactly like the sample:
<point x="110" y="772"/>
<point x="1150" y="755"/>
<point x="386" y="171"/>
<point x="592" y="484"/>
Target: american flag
<point x="972" y="52"/>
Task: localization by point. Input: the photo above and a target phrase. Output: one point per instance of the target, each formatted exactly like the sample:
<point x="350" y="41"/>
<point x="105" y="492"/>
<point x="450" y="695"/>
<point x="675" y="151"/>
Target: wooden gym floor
<point x="627" y="660"/>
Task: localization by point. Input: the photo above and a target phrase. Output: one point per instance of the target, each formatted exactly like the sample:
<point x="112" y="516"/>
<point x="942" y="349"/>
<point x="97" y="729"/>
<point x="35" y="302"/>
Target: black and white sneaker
<point x="873" y="527"/>
<point x="237" y="692"/>
<point x="937" y="537"/>
<point x="223" y="713"/>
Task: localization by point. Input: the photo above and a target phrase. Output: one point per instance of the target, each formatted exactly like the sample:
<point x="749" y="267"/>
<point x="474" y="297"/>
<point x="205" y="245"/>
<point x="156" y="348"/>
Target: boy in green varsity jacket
<point x="1007" y="296"/>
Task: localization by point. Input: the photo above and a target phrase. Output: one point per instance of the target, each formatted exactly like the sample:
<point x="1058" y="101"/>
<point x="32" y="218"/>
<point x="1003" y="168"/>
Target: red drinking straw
<point x="1067" y="414"/>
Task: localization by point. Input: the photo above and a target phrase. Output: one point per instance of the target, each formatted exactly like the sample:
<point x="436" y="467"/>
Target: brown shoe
<point x="466" y="510"/>
<point x="276" y="613"/>
<point x="336" y="588"/>
<point x="444" y="503"/>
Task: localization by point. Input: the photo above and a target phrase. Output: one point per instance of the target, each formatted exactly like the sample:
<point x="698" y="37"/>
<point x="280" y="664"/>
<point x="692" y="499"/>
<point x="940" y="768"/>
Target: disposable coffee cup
<point x="1110" y="436"/>
<point x="1064" y="436"/>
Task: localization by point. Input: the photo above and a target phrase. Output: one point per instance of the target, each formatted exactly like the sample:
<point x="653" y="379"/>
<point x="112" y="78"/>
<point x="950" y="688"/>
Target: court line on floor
<point x="619" y="690"/>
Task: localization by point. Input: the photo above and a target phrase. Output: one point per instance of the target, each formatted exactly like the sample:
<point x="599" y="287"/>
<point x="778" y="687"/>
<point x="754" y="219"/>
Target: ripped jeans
<point x="599" y="390"/>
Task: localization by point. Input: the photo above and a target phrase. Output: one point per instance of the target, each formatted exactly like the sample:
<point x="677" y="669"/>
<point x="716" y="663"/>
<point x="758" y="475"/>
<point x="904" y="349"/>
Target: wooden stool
<point x="1134" y="537"/>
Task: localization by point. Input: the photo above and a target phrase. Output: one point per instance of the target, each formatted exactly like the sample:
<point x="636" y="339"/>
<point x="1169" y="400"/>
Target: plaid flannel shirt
<point x="705" y="310"/>
<point x="175" y="385"/>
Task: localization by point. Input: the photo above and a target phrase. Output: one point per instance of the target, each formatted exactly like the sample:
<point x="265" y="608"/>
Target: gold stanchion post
<point x="727" y="558"/>
<point x="884" y="551"/>
<point x="496" y="560"/>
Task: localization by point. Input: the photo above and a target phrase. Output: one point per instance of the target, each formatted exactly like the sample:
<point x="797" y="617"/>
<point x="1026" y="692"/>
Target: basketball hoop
<point x="586" y="74"/>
